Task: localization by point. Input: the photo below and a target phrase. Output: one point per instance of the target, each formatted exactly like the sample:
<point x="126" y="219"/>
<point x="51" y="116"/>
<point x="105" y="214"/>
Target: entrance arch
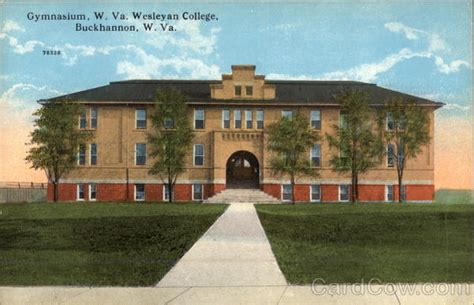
<point x="242" y="170"/>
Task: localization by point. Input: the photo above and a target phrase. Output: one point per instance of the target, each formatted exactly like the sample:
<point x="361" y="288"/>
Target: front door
<point x="242" y="171"/>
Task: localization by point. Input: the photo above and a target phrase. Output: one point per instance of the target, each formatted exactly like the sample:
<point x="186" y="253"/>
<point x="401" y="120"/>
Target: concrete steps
<point x="242" y="195"/>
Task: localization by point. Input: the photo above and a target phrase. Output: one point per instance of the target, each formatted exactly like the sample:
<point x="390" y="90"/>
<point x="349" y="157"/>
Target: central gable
<point x="243" y="84"/>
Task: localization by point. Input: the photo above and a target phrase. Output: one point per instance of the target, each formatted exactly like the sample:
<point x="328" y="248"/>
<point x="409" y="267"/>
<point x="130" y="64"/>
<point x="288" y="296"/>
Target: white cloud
<point x="27" y="47"/>
<point x="451" y="67"/>
<point x="397" y="27"/>
<point x="277" y="76"/>
<point x="369" y="72"/>
<point x="11" y="25"/>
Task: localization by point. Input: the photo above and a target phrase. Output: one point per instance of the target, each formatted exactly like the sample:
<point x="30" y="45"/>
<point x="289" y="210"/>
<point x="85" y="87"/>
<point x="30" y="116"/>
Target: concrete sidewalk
<point x="276" y="295"/>
<point x="233" y="252"/>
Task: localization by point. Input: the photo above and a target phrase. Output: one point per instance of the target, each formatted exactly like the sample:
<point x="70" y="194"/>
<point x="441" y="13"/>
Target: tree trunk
<point x="356" y="188"/>
<point x="400" y="186"/>
<point x="55" y="190"/>
<point x="353" y="188"/>
<point x="170" y="191"/>
<point x="292" y="189"/>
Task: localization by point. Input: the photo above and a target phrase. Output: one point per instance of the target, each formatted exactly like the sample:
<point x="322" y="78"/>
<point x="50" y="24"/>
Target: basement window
<point x="80" y="192"/>
<point x="389" y="193"/>
<point x="286" y="192"/>
<point x="197" y="192"/>
<point x="315" y="192"/>
<point x="344" y="192"/>
<point x="139" y="192"/>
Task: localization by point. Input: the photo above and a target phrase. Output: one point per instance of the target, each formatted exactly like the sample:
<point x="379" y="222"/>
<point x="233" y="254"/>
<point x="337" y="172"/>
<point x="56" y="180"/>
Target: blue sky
<point x="418" y="47"/>
<point x="422" y="48"/>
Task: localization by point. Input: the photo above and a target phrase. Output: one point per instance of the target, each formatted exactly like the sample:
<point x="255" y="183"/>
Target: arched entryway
<point x="242" y="170"/>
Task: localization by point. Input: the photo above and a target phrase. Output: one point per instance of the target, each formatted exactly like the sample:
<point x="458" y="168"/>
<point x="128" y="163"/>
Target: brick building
<point x="229" y="117"/>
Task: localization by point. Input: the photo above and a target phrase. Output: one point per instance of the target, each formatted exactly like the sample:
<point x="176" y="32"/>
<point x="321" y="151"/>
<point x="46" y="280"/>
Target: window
<point x="92" y="192"/>
<point x="344" y="192"/>
<point x="82" y="121"/>
<point x="287" y="114"/>
<point x="259" y="119"/>
<point x="316" y="155"/>
<point x="315" y="192"/>
<point x="316" y="119"/>
<point x="238" y="90"/>
<point x="198" y="154"/>
<point x="248" y="119"/>
<point x="140" y="154"/>
<point x="93" y="154"/>
<point x="80" y="192"/>
<point x="199" y="118"/>
<point x="140" y="118"/>
<point x="389" y="193"/>
<point x="139" y="192"/>
<point x="249" y="90"/>
<point x="166" y="192"/>
<point x="226" y="118"/>
<point x="390" y="155"/>
<point x="237" y="119"/>
<point x="81" y="157"/>
<point x="168" y="123"/>
<point x="197" y="191"/>
<point x="403" y="194"/>
<point x="342" y="120"/>
<point x="390" y="122"/>
<point x="93" y="117"/>
<point x="286" y="192"/>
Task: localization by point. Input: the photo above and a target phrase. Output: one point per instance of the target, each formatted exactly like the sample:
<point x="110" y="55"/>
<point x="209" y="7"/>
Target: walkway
<point x="233" y="252"/>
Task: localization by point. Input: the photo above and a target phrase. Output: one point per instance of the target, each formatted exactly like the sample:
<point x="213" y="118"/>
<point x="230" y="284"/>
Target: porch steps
<point x="242" y="195"/>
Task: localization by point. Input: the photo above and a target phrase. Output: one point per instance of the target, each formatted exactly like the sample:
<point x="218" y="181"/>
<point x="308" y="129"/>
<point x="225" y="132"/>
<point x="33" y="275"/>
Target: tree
<point x="170" y="138"/>
<point x="56" y="140"/>
<point x="357" y="147"/>
<point x="405" y="129"/>
<point x="290" y="139"/>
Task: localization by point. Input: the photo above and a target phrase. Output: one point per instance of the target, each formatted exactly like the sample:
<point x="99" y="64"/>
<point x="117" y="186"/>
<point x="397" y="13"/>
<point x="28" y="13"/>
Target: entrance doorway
<point x="242" y="170"/>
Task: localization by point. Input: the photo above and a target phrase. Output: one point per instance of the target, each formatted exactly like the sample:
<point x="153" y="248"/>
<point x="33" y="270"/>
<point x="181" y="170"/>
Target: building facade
<point x="229" y="117"/>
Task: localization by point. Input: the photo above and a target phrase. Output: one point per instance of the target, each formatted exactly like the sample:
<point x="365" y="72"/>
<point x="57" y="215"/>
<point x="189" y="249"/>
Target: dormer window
<point x="238" y="90"/>
<point x="248" y="90"/>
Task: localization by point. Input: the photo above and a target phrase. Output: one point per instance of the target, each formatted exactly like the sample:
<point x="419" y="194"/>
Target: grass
<point x="99" y="244"/>
<point x="343" y="243"/>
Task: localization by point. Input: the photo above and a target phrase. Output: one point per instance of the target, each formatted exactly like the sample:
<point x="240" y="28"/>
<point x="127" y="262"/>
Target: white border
<point x="90" y="154"/>
<point x="77" y="192"/>
<point x="135" y="192"/>
<point x="223" y="118"/>
<point x="348" y="192"/>
<point x="386" y="193"/>
<point x="311" y="156"/>
<point x="203" y="118"/>
<point x="79" y="155"/>
<point x="135" y="157"/>
<point x="194" y="155"/>
<point x="311" y="119"/>
<point x="136" y="117"/>
<point x="281" y="191"/>
<point x="311" y="193"/>
<point x="90" y="192"/>
<point x="96" y="118"/>
<point x="192" y="192"/>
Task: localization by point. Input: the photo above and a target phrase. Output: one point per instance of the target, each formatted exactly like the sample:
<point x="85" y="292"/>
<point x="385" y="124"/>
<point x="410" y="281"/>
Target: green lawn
<point x="344" y="243"/>
<point x="444" y="196"/>
<point x="124" y="244"/>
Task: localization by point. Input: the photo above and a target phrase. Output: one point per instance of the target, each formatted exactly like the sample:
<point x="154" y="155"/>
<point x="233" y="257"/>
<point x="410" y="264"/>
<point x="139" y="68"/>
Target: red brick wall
<point x="183" y="192"/>
<point x="371" y="192"/>
<point x="272" y="190"/>
<point x="329" y="192"/>
<point x="420" y="192"/>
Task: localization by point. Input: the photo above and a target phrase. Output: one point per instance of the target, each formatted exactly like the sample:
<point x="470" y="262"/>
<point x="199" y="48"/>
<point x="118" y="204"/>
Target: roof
<point x="198" y="91"/>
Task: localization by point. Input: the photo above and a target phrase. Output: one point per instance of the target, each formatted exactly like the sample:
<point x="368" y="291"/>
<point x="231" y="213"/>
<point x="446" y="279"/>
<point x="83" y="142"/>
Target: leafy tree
<point x="356" y="145"/>
<point x="290" y="140"/>
<point x="171" y="137"/>
<point x="56" y="139"/>
<point x="405" y="127"/>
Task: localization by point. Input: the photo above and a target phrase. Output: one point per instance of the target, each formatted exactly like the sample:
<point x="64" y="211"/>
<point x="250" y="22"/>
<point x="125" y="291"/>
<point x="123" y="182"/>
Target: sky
<point x="421" y="48"/>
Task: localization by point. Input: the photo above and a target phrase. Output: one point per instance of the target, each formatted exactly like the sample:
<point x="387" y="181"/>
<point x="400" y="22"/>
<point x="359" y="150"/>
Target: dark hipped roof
<point x="311" y="92"/>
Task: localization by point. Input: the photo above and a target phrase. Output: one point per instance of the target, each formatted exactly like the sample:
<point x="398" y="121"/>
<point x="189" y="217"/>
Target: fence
<point x="22" y="192"/>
